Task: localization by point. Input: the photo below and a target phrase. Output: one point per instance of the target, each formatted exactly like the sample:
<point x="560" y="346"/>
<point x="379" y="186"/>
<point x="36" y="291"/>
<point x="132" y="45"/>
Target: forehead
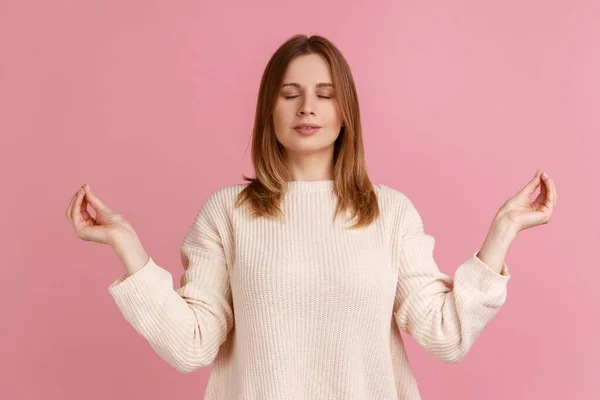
<point x="308" y="70"/>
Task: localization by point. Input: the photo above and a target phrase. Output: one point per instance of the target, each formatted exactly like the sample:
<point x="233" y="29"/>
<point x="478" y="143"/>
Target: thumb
<point x="532" y="185"/>
<point x="533" y="218"/>
<point x="94" y="201"/>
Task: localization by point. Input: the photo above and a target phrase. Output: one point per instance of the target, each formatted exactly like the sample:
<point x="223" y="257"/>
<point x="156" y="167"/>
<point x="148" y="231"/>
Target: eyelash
<point x="293" y="97"/>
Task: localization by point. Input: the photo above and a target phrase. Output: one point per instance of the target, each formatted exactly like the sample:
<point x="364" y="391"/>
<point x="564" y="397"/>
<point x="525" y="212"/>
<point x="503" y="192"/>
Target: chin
<point x="318" y="142"/>
<point x="308" y="148"/>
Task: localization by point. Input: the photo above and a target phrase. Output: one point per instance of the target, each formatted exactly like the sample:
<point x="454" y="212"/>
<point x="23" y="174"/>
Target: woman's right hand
<point x="108" y="227"/>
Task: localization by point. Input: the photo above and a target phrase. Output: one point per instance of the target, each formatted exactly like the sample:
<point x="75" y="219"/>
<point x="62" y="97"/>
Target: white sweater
<point x="304" y="309"/>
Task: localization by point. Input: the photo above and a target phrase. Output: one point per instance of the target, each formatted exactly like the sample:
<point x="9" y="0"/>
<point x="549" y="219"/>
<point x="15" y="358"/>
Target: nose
<point x="306" y="108"/>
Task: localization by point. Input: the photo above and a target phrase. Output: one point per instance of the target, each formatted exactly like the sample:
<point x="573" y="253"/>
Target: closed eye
<point x="293" y="97"/>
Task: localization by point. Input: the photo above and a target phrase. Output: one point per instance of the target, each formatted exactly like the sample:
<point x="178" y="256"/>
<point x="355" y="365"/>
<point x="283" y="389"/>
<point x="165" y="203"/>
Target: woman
<point x="297" y="283"/>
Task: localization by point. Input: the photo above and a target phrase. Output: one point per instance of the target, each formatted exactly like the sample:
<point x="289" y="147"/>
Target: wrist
<point x="502" y="231"/>
<point x="496" y="244"/>
<point x="131" y="253"/>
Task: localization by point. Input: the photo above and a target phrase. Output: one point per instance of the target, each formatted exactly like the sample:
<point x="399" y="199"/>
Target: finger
<point x="84" y="212"/>
<point x="546" y="203"/>
<point x="76" y="214"/>
<point x="535" y="218"/>
<point x="529" y="189"/>
<point x="94" y="201"/>
<point x="550" y="198"/>
<point x="539" y="201"/>
<point x="543" y="187"/>
<point x="69" y="212"/>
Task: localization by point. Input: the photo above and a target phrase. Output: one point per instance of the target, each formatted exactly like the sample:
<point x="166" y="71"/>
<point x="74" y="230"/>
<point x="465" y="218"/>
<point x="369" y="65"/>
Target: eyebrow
<point x="296" y="85"/>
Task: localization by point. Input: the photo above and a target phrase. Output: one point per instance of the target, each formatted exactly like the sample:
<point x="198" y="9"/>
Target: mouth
<point x="306" y="129"/>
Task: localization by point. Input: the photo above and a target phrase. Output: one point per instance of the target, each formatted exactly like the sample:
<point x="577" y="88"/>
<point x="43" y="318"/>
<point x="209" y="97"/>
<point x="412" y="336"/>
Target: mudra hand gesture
<point x="521" y="213"/>
<point x="108" y="227"/>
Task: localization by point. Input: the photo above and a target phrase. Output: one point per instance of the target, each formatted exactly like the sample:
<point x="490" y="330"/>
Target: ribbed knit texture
<point x="305" y="309"/>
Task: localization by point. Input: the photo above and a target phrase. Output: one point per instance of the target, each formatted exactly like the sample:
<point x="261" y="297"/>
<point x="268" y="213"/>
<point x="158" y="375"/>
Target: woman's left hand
<point x="521" y="213"/>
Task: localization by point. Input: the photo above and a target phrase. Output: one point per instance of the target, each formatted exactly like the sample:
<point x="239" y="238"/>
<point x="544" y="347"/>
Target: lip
<point x="299" y="126"/>
<point x="307" y="130"/>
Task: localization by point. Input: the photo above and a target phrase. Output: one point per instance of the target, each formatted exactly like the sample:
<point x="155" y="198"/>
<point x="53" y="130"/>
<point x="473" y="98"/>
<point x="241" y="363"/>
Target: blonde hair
<point x="352" y="187"/>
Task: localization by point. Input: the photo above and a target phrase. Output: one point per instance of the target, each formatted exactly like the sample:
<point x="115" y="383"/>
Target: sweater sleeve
<point x="443" y="315"/>
<point x="185" y="327"/>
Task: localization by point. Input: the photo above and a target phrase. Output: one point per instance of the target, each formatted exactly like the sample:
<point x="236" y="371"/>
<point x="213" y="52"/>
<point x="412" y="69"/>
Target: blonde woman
<point x="297" y="284"/>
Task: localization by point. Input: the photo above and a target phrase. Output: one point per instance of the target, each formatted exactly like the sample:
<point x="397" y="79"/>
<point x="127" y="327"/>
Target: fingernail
<point x="545" y="175"/>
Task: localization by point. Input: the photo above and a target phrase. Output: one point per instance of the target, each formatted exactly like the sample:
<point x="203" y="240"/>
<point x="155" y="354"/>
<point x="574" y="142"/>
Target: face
<point x="307" y="96"/>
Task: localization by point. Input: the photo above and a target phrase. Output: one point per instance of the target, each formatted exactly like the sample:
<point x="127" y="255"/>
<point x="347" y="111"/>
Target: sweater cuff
<point x="503" y="271"/>
<point x="137" y="281"/>
<point x="481" y="277"/>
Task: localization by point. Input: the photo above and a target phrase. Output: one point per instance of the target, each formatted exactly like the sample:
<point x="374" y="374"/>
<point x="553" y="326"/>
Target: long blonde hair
<point x="352" y="187"/>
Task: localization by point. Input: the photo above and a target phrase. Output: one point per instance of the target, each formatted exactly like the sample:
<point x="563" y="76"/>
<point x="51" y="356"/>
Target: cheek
<point x="284" y="116"/>
<point x="280" y="120"/>
<point x="335" y="116"/>
<point x="279" y="114"/>
<point x="334" y="107"/>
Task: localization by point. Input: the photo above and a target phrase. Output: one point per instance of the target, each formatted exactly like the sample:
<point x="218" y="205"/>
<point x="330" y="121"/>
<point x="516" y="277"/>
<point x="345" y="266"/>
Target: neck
<point x="311" y="167"/>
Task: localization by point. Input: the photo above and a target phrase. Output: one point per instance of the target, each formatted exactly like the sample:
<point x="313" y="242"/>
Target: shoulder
<point x="220" y="202"/>
<point x="226" y="196"/>
<point x="391" y="197"/>
<point x="397" y="206"/>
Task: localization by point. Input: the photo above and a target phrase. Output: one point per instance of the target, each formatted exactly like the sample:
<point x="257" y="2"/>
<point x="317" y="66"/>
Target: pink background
<point x="152" y="104"/>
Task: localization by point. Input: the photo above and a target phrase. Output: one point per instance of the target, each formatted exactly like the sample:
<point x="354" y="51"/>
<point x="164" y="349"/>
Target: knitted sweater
<point x="303" y="308"/>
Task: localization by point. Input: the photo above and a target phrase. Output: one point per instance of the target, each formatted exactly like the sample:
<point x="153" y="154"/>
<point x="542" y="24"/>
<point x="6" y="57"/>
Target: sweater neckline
<point x="309" y="186"/>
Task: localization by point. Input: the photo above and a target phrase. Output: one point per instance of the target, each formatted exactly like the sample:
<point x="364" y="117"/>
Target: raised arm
<point x="443" y="315"/>
<point x="186" y="326"/>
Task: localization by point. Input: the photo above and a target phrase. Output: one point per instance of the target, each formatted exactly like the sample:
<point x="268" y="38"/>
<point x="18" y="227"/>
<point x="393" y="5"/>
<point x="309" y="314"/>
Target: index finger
<point x="550" y="197"/>
<point x="69" y="211"/>
<point x="531" y="186"/>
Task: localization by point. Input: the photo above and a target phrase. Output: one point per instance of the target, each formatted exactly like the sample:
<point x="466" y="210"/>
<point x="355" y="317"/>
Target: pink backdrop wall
<point x="152" y="104"/>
